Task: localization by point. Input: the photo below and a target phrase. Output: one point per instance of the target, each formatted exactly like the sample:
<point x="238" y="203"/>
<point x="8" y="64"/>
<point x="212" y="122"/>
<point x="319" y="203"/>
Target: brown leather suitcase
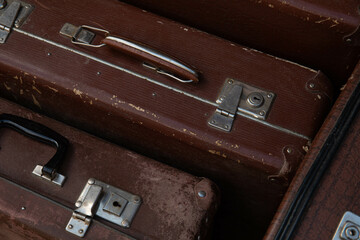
<point x="246" y="124"/>
<point x="123" y="194"/>
<point x="322" y="34"/>
<point x="326" y="183"/>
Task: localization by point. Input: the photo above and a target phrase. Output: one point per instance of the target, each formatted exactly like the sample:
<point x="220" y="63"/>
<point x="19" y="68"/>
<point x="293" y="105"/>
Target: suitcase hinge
<point x="12" y="13"/>
<point x="107" y="202"/>
<point x="236" y="96"/>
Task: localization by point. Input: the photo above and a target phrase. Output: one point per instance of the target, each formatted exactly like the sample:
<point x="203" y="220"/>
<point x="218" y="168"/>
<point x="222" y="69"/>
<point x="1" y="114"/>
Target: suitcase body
<point x="173" y="204"/>
<point x="313" y="33"/>
<point x="113" y="95"/>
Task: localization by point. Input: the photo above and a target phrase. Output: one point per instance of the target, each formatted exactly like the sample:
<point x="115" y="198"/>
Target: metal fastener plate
<point x="58" y="179"/>
<point x="348" y="228"/>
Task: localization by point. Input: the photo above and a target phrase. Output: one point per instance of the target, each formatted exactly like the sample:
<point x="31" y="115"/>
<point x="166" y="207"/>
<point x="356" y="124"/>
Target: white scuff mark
<point x="323" y="20"/>
<point x="37" y="90"/>
<point x="160" y="22"/>
<point x="137" y="107"/>
<point x="53" y="89"/>
<point x="78" y="92"/>
<point x="188" y="131"/>
<point x="7" y="87"/>
<point x="36" y="102"/>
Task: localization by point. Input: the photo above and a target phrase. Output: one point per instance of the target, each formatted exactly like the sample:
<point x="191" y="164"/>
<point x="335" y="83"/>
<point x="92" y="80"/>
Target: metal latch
<point x="12" y="13"/>
<point x="107" y="202"/>
<point x="236" y="96"/>
<point x="349" y="227"/>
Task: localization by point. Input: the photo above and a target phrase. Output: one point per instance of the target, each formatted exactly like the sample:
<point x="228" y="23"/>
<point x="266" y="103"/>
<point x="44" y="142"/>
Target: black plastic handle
<point x="41" y="133"/>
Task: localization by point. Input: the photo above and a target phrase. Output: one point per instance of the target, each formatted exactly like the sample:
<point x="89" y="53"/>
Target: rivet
<point x="2" y="4"/>
<point x="226" y="126"/>
<point x="1" y="39"/>
<point x="81" y="231"/>
<point x="23" y="208"/>
<point x="272" y="179"/>
<point x="221" y="99"/>
<point x="154" y="94"/>
<point x="136" y="199"/>
<point x="78" y="204"/>
<point x="202" y="194"/>
<point x="352" y="232"/>
<point x="91" y="181"/>
<point x="262" y="113"/>
<point x="230" y="81"/>
<point x="17" y="21"/>
<point x="125" y="223"/>
<point x="70" y="226"/>
<point x="289" y="150"/>
<point x="213" y="121"/>
<point x="311" y="85"/>
<point x="98" y="73"/>
<point x="270" y="95"/>
<point x="49" y="54"/>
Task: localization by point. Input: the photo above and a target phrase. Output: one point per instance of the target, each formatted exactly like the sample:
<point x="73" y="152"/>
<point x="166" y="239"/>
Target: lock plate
<point x="105" y="201"/>
<point x="237" y="97"/>
<point x="348" y="228"/>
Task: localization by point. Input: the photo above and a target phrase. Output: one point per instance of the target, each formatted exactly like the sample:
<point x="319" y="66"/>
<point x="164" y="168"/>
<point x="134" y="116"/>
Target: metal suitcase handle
<point x="153" y="59"/>
<point x="43" y="134"/>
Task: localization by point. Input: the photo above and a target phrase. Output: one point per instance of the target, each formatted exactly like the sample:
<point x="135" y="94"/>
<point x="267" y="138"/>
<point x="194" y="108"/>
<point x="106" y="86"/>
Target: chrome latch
<point x="107" y="202"/>
<point x="235" y="97"/>
<point x="77" y="34"/>
<point x="13" y="13"/>
<point x="349" y="227"/>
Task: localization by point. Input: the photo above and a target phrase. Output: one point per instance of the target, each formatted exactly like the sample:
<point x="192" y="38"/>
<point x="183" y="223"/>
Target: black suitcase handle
<point x="41" y="133"/>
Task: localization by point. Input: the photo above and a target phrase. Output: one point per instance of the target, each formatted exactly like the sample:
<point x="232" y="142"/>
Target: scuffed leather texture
<point x="336" y="186"/>
<point x="309" y="32"/>
<point x="171" y="208"/>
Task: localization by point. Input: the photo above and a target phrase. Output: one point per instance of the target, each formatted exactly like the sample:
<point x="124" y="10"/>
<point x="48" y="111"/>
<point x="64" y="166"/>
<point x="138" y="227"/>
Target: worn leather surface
<point x="310" y="32"/>
<point x="338" y="190"/>
<point x="334" y="193"/>
<point x="164" y="119"/>
<point x="171" y="207"/>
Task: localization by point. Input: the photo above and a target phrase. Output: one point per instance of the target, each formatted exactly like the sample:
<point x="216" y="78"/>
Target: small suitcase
<point x="322" y="34"/>
<point x="246" y="124"/>
<point x="128" y="196"/>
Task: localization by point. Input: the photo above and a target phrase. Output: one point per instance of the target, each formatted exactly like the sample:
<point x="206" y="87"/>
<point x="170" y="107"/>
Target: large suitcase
<point x="246" y="124"/>
<point x="140" y="198"/>
<point x="322" y="34"/>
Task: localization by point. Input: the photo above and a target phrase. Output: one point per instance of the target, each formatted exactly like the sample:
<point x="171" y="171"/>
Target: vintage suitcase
<point x="322" y="34"/>
<point x="246" y="124"/>
<point x="128" y="195"/>
<point x="326" y="183"/>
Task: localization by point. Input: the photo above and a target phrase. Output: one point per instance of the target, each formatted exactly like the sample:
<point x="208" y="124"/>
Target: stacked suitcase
<point x="202" y="104"/>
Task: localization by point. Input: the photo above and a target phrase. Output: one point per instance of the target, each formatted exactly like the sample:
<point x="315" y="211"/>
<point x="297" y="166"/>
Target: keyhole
<point x="255" y="99"/>
<point x="116" y="204"/>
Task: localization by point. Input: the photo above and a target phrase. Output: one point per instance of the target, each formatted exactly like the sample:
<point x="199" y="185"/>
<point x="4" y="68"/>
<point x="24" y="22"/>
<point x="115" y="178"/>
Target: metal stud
<point x="311" y="85"/>
<point x="202" y="194"/>
<point x="91" y="181"/>
<point x="78" y="204"/>
<point x="2" y="4"/>
<point x="70" y="226"/>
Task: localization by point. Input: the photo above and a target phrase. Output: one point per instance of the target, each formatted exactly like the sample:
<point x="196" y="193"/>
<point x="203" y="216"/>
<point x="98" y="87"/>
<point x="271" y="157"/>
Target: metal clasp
<point x="236" y="96"/>
<point x="110" y="203"/>
<point x="349" y="227"/>
<point x="13" y="13"/>
<point x="81" y="35"/>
